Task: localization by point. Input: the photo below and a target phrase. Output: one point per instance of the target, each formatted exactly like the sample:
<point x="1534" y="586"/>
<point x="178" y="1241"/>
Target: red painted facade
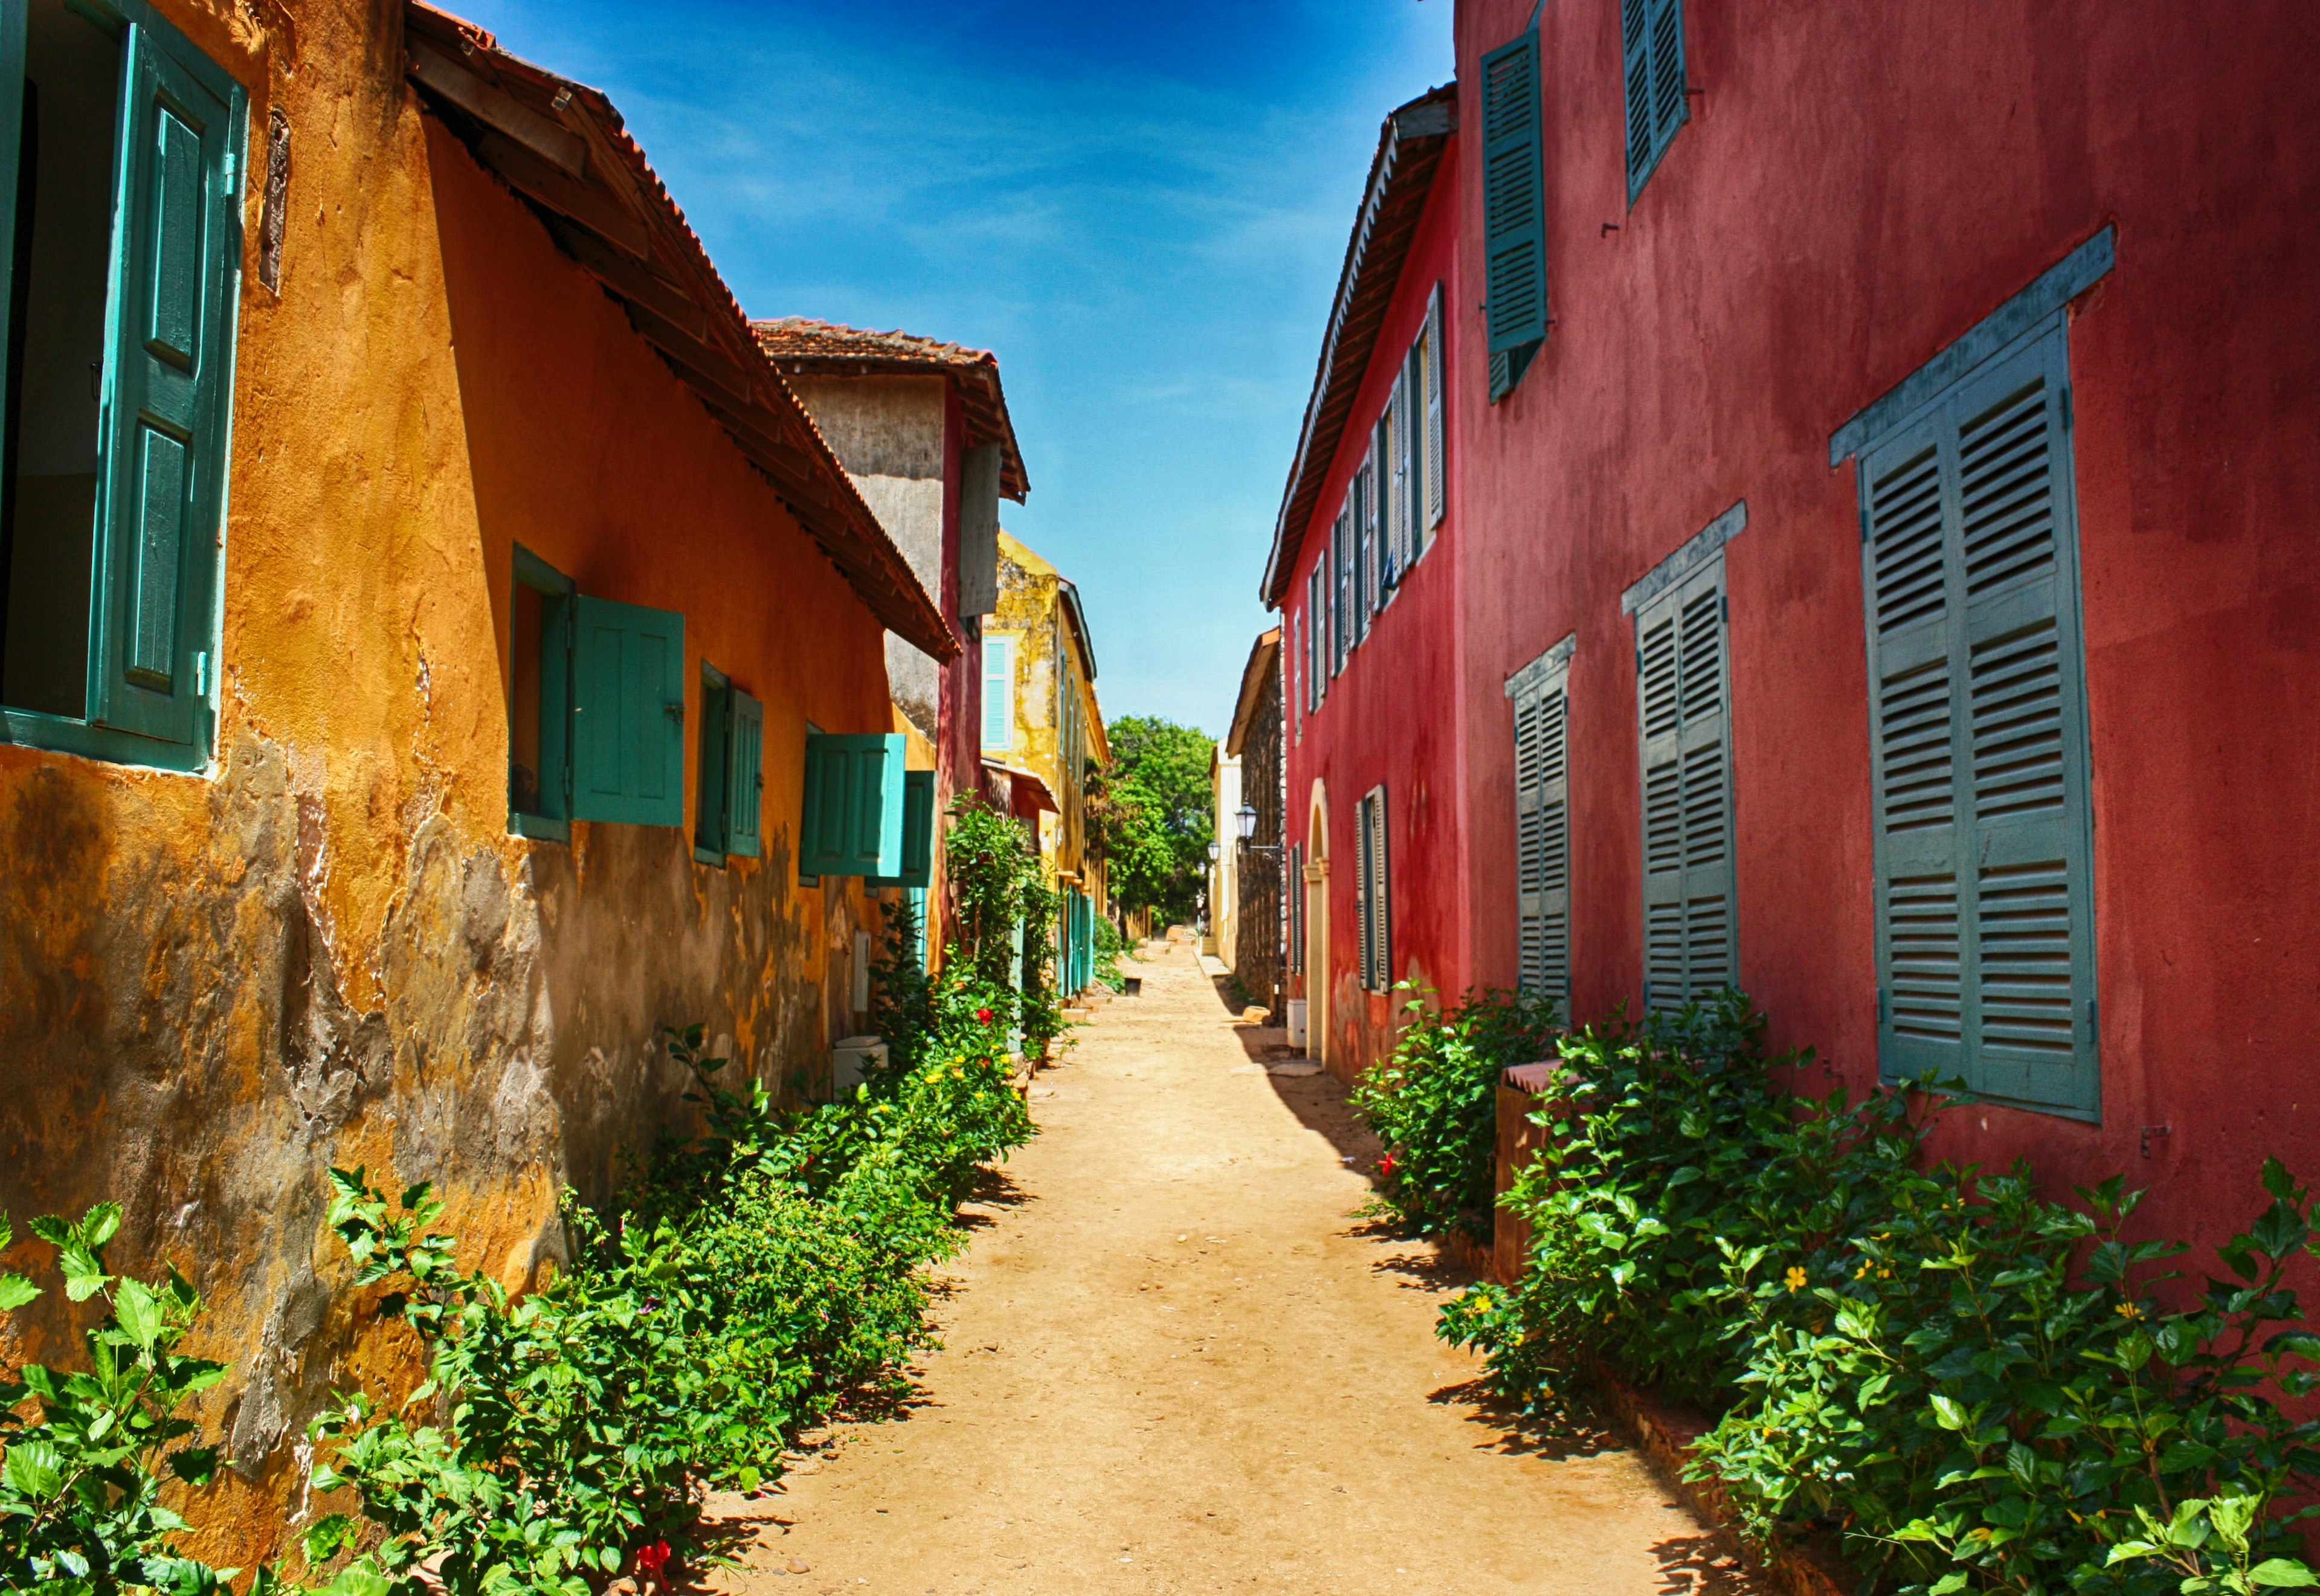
<point x="1855" y="190"/>
<point x="1389" y="716"/>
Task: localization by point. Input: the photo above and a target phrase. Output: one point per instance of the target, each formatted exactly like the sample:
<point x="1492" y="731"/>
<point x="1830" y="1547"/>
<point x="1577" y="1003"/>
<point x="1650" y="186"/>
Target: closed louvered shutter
<point x="1543" y="841"/>
<point x="1690" y="937"/>
<point x="1985" y="943"/>
<point x="1435" y="499"/>
<point x="1398" y="519"/>
<point x="1650" y="38"/>
<point x="1514" y="245"/>
<point x="1340" y="588"/>
<point x="1361" y="890"/>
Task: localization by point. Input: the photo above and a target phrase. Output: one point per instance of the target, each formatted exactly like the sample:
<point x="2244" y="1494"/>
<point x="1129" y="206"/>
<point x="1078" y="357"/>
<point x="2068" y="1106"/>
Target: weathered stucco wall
<point x="327" y="949"/>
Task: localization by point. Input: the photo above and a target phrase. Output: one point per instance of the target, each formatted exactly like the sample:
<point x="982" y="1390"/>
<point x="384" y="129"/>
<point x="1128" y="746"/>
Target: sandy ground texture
<point x="1173" y="1362"/>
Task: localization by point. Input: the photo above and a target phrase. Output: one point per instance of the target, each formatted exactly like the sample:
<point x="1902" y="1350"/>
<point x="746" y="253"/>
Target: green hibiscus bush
<point x="1975" y="1388"/>
<point x="1434" y="1102"/>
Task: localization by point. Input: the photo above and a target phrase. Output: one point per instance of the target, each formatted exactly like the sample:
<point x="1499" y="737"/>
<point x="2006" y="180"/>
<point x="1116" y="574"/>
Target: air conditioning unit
<point x="850" y="1060"/>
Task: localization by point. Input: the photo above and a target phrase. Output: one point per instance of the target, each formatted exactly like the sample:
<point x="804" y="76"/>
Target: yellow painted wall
<point x="327" y="949"/>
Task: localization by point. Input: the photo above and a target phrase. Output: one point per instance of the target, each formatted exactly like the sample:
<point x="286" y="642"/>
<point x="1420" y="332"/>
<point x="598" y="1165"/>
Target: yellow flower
<point x="2128" y="1310"/>
<point x="1795" y="1278"/>
<point x="1857" y="1274"/>
<point x="1885" y="1274"/>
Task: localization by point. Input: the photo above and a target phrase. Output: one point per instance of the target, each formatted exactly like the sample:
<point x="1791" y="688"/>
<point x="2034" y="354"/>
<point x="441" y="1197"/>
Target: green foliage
<point x="1434" y="1102"/>
<point x="1109" y="946"/>
<point x="990" y="867"/>
<point x="1154" y="816"/>
<point x="1981" y="1390"/>
<point x="746" y="1280"/>
<point x="86" y="1451"/>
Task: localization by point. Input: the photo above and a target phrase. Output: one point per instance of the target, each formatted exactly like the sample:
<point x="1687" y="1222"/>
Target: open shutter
<point x="851" y="823"/>
<point x="1361" y="890"/>
<point x="1400" y="519"/>
<point x="1690" y="946"/>
<point x="1985" y="941"/>
<point x="1543" y="841"/>
<point x="628" y="714"/>
<point x="1380" y="898"/>
<point x="1513" y="244"/>
<point x="1436" y="499"/>
<point x="176" y="242"/>
<point x="1340" y="582"/>
<point x="918" y="832"/>
<point x="744" y="774"/>
<point x="1651" y="40"/>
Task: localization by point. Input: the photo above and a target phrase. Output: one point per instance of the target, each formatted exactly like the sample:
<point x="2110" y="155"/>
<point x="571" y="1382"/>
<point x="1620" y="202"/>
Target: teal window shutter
<point x="711" y="788"/>
<point x="917" y="833"/>
<point x="851" y="820"/>
<point x="1978" y="738"/>
<point x="1690" y="934"/>
<point x="744" y="774"/>
<point x="1651" y="40"/>
<point x="1543" y="841"/>
<point x="175" y="247"/>
<point x="1514" y="238"/>
<point x="998" y="693"/>
<point x="628" y="714"/>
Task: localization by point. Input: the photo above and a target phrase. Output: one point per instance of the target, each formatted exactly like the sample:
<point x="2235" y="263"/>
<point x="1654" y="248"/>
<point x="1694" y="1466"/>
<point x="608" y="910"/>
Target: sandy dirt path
<point x="1173" y="1363"/>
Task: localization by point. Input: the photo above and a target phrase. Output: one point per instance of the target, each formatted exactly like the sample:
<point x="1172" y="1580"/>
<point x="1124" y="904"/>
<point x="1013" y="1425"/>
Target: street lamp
<point x="1216" y="852"/>
<point x="1246" y="816"/>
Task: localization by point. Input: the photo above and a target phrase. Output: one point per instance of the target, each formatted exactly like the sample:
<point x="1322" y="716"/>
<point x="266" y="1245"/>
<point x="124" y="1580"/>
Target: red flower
<point x="652" y="1559"/>
<point x="984" y="1015"/>
<point x="1386" y="1167"/>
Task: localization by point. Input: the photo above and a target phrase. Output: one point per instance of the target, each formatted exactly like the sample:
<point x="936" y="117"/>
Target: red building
<point x="1884" y="446"/>
<point x="1361" y="566"/>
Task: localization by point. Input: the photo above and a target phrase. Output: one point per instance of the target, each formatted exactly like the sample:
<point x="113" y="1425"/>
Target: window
<point x="917" y="871"/>
<point x="1651" y="39"/>
<point x="1542" y="825"/>
<point x="1316" y="633"/>
<point x="1978" y="736"/>
<point x="999" y="691"/>
<point x="1341" y="596"/>
<point x="120" y="352"/>
<point x="1514" y="230"/>
<point x="596" y="707"/>
<point x="1432" y="460"/>
<point x="1374" y="913"/>
<point x="729" y="800"/>
<point x="1691" y="947"/>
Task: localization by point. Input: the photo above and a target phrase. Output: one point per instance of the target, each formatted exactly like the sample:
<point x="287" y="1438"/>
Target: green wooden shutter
<point x="1514" y="243"/>
<point x="852" y="819"/>
<point x="1381" y="897"/>
<point x="628" y="714"/>
<point x="712" y="789"/>
<point x="744" y="773"/>
<point x="917" y="833"/>
<point x="1690" y="937"/>
<point x="1543" y="841"/>
<point x="1435" y="498"/>
<point x="1985" y="914"/>
<point x="176" y="243"/>
<point x="1651" y="40"/>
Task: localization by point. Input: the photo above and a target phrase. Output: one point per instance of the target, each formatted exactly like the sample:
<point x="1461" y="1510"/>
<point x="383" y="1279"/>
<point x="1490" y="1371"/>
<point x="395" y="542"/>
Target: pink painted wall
<point x="1389" y="715"/>
<point x="1858" y="187"/>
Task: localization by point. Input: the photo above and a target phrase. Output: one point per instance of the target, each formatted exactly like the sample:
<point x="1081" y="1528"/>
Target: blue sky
<point x="1142" y="210"/>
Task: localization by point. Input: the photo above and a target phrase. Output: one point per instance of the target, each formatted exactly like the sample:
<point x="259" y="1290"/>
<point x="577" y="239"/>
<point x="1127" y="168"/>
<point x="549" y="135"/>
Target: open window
<point x="120" y="243"/>
<point x="726" y="813"/>
<point x="596" y="707"/>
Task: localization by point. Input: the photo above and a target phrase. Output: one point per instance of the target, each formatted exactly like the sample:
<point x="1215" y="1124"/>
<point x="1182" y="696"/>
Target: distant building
<point x="1252" y="832"/>
<point x="1043" y="736"/>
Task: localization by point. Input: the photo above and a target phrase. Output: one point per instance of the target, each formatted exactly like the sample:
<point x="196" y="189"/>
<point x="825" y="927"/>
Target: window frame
<point x="527" y="570"/>
<point x="199" y="624"/>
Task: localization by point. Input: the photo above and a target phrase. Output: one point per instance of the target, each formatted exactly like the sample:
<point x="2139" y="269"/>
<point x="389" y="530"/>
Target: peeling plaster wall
<point x="327" y="949"/>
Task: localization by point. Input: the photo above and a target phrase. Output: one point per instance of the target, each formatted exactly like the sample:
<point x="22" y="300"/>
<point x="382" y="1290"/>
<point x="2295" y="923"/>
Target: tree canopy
<point x="1150" y="814"/>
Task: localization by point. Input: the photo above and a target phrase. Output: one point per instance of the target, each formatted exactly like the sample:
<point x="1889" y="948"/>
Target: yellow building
<point x="1041" y="719"/>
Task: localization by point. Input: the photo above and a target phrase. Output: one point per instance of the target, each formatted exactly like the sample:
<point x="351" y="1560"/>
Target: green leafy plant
<point x="87" y="1451"/>
<point x="1109" y="948"/>
<point x="1977" y="1388"/>
<point x="1433" y="1101"/>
